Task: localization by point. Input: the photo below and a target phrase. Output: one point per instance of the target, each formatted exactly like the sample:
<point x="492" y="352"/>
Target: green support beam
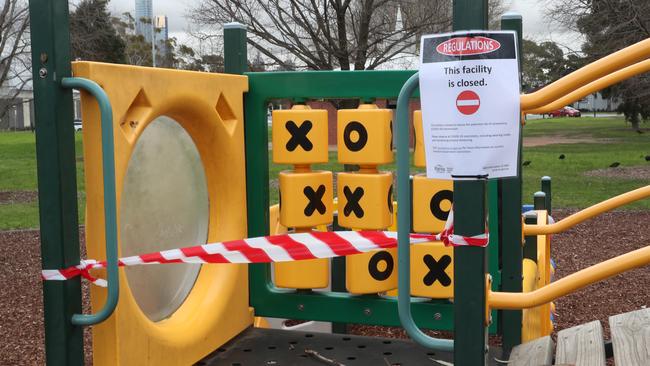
<point x="510" y="191"/>
<point x="57" y="185"/>
<point x="470" y="263"/>
<point x="234" y="40"/>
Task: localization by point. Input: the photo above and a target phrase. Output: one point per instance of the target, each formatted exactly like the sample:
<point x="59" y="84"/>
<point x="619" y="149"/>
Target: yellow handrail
<point x="571" y="283"/>
<point x="590" y="212"/>
<point x="585" y="75"/>
<point x="600" y="84"/>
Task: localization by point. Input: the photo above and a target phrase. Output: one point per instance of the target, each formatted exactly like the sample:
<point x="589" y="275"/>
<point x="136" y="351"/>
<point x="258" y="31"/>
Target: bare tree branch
<point x="15" y="65"/>
<point x="332" y="34"/>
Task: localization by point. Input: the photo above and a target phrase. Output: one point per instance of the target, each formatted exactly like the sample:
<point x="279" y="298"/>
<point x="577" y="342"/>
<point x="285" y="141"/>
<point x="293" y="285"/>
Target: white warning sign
<point x="469" y="89"/>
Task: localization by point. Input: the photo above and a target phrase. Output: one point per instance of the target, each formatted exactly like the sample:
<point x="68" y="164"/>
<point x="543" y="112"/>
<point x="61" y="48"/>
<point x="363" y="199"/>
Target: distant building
<point x="20" y="109"/>
<point x="597" y="103"/>
<point x="143" y="18"/>
<point x="160" y="22"/>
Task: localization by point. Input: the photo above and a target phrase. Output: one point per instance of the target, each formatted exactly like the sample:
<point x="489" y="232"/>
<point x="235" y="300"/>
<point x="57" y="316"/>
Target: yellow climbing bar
<point x="588" y="213"/>
<point x="585" y="75"/>
<point x="600" y="84"/>
<point x="571" y="283"/>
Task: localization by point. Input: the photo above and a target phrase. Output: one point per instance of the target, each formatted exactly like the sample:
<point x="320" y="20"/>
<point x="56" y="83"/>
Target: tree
<point x="257" y="64"/>
<point x="15" y="70"/>
<point x="137" y="51"/>
<point x="544" y="63"/>
<point x="331" y="34"/>
<point x="92" y="35"/>
<point x="609" y="25"/>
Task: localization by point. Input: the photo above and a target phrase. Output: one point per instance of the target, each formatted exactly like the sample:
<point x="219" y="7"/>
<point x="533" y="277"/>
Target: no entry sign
<point x="469" y="88"/>
<point x="468" y="102"/>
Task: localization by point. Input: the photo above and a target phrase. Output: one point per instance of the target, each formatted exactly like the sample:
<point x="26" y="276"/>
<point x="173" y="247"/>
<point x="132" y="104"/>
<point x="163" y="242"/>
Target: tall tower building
<point x="144" y="18"/>
<point x="161" y="34"/>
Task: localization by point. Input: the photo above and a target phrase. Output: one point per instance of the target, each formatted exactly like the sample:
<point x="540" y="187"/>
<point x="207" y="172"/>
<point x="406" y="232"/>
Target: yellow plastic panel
<point x="371" y="272"/>
<point x="432" y="270"/>
<point x="300" y="136"/>
<point x="418" y="153"/>
<point x="208" y="107"/>
<point x="365" y="201"/>
<point x="432" y="200"/>
<point x="532" y="319"/>
<point x="305" y="198"/>
<point x="365" y="135"/>
<point x="305" y="274"/>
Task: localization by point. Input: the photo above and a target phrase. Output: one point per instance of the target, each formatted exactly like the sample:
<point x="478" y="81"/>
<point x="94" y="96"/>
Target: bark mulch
<point x="13" y="197"/>
<point x="21" y="313"/>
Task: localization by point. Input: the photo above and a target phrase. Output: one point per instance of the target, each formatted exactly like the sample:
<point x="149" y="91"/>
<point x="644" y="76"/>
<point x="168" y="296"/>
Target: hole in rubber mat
<point x="164" y="205"/>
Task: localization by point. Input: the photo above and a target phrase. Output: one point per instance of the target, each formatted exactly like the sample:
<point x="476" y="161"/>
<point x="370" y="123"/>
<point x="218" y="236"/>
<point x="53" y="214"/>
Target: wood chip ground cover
<point x="612" y="234"/>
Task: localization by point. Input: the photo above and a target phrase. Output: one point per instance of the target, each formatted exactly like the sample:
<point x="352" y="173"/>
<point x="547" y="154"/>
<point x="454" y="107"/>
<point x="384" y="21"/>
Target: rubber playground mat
<point x="256" y="346"/>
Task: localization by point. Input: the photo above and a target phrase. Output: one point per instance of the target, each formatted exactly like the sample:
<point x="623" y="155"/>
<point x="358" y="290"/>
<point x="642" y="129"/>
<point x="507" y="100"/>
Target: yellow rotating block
<point x="300" y="136"/>
<point x="304" y="274"/>
<point x="365" y="135"/>
<point x="370" y="273"/>
<point x="180" y="180"/>
<point x="418" y="154"/>
<point x="305" y="199"/>
<point x="365" y="201"/>
<point x="432" y="270"/>
<point x="432" y="200"/>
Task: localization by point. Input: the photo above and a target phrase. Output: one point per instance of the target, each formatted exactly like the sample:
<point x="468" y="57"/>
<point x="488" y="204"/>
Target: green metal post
<point x="56" y="171"/>
<point x="510" y="226"/>
<point x="234" y="45"/>
<point x="539" y="203"/>
<point x="338" y="278"/>
<point x="546" y="188"/>
<point x="470" y="265"/>
<point x="539" y="200"/>
<point x="530" y="245"/>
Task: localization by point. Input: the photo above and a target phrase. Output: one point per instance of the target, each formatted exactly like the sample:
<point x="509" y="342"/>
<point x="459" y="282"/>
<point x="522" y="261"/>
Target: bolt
<point x="42" y="73"/>
<point x="437" y="316"/>
<point x="367" y="312"/>
<point x="301" y="307"/>
<point x="43" y="57"/>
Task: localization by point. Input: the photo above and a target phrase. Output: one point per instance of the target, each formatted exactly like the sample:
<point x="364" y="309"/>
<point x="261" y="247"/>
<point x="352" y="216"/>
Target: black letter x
<point x="299" y="135"/>
<point x="437" y="270"/>
<point x="353" y="201"/>
<point x="315" y="200"/>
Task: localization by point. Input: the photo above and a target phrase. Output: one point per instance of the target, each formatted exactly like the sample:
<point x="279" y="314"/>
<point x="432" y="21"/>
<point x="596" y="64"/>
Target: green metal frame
<point x="110" y="210"/>
<point x="510" y="201"/>
<point x="57" y="184"/>
<point x="324" y="306"/>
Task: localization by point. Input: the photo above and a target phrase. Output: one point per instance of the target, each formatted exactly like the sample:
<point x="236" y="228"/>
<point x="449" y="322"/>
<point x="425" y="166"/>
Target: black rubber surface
<point x="261" y="347"/>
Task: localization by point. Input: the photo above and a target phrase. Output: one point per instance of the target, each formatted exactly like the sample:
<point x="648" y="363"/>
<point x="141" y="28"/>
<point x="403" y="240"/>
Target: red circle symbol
<point x="468" y="102"/>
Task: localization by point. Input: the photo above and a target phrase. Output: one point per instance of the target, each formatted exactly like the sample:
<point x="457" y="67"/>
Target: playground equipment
<point x="175" y="158"/>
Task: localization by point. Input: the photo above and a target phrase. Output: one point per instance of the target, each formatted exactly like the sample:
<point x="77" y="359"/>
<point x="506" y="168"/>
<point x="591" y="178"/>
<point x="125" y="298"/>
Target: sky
<point x="536" y="26"/>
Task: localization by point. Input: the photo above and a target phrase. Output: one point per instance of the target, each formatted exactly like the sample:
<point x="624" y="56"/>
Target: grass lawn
<point x="613" y="141"/>
<point x="602" y="142"/>
<point x="18" y="173"/>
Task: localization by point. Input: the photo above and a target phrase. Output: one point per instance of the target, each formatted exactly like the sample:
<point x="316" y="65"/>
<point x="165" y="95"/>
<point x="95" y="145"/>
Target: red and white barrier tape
<point x="274" y="248"/>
